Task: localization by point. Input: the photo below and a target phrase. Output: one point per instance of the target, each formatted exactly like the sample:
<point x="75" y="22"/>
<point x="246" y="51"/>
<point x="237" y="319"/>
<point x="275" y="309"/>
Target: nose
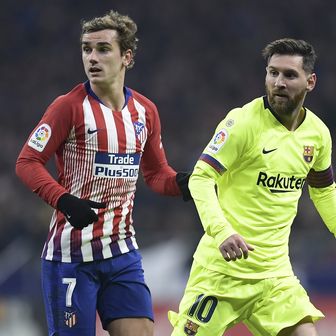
<point x="280" y="82"/>
<point x="93" y="57"/>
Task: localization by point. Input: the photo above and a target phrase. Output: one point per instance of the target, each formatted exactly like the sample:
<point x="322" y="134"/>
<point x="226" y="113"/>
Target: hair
<point x="289" y="46"/>
<point x="123" y="24"/>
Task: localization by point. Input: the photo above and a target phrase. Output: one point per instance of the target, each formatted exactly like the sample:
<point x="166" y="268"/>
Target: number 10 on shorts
<point x="203" y="308"/>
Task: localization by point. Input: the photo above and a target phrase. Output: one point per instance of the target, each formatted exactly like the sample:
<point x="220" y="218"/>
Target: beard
<point x="287" y="105"/>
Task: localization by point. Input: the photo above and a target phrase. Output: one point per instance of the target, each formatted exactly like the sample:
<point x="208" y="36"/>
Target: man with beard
<point x="246" y="186"/>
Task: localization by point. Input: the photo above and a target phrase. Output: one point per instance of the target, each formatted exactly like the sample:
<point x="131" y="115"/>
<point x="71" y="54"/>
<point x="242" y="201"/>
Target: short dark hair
<point x="289" y="46"/>
<point x="123" y="24"/>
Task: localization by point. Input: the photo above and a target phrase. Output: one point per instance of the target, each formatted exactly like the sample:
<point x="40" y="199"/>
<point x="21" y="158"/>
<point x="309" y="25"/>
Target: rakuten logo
<point x="280" y="184"/>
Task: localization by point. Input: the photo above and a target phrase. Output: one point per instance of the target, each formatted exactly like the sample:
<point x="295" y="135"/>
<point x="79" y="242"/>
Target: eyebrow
<point x="98" y="43"/>
<point x="271" y="67"/>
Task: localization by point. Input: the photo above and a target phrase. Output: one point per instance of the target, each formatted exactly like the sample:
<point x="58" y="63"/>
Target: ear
<point x="127" y="57"/>
<point x="311" y="82"/>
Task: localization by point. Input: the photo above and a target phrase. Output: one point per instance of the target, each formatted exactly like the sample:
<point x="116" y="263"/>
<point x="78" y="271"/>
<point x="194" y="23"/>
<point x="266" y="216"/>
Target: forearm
<point x="37" y="178"/>
<point x="162" y="180"/>
<point x="324" y="200"/>
<point x="202" y="188"/>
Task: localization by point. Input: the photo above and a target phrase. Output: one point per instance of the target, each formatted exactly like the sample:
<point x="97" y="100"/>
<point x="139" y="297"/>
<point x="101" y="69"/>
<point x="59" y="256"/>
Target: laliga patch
<point x="40" y="137"/>
<point x="116" y="165"/>
<point x="218" y="141"/>
<point x="190" y="328"/>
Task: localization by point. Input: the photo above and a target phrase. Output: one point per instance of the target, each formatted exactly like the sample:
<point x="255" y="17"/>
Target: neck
<point x="292" y="121"/>
<point x="111" y="94"/>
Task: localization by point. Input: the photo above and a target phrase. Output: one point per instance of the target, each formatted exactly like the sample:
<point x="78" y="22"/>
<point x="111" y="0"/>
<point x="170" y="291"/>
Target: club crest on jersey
<point x="308" y="153"/>
<point x="116" y="165"/>
<point x="70" y="319"/>
<point x="140" y="131"/>
<point x="191" y="328"/>
<point x="40" y="137"/>
<point x="218" y="140"/>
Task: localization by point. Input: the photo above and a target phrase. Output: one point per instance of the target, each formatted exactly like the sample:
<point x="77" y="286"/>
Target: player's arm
<point x="321" y="183"/>
<point x="322" y="191"/>
<point x="157" y="173"/>
<point x="47" y="138"/>
<point x="202" y="187"/>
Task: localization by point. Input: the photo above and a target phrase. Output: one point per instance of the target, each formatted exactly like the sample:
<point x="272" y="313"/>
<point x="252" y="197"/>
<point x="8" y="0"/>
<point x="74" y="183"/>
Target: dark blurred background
<point x="196" y="60"/>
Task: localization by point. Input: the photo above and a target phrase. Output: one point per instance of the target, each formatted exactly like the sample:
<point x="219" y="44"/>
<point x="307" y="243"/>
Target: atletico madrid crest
<point x="140" y="131"/>
<point x="308" y="153"/>
<point x="70" y="319"/>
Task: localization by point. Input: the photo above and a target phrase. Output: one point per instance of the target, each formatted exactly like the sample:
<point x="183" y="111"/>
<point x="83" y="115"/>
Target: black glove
<point x="78" y="211"/>
<point x="182" y="179"/>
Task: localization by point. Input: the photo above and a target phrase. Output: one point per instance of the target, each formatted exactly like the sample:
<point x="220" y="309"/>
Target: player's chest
<point x="285" y="152"/>
<point x="113" y="132"/>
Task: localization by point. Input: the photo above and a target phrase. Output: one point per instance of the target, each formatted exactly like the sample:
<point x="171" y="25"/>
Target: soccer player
<point x="246" y="186"/>
<point x="103" y="134"/>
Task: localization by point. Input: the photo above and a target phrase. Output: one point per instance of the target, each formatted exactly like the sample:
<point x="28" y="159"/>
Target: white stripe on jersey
<point x="65" y="242"/>
<point x="50" y="245"/>
<point x="135" y="244"/>
<point x="86" y="245"/>
<point x="111" y="129"/>
<point x="123" y="246"/>
<point x="129" y="129"/>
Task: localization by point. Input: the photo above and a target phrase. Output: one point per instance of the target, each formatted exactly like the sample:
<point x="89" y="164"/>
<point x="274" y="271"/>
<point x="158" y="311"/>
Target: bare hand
<point x="235" y="247"/>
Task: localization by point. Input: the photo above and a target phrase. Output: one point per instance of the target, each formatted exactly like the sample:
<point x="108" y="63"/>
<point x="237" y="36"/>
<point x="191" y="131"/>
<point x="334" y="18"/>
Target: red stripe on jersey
<point x="128" y="219"/>
<point x="116" y="222"/>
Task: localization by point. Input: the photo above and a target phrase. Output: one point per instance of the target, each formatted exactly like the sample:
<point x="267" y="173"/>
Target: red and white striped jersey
<point x="99" y="153"/>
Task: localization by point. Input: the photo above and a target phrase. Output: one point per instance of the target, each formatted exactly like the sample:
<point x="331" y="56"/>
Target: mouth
<point x="94" y="70"/>
<point x="280" y="95"/>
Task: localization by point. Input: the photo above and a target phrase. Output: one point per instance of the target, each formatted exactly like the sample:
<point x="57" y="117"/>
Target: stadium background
<point x="196" y="60"/>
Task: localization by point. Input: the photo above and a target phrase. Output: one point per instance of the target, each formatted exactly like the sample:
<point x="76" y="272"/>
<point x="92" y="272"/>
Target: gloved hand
<point x="78" y="211"/>
<point x="182" y="179"/>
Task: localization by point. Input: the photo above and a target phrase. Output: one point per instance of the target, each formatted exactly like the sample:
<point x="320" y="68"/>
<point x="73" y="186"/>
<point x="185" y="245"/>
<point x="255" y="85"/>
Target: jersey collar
<point x="268" y="106"/>
<point x="89" y="91"/>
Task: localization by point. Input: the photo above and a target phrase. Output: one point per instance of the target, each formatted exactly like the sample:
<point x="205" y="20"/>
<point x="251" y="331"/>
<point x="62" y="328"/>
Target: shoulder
<point x="245" y="116"/>
<point x="75" y="96"/>
<point x="315" y="122"/>
<point x="143" y="102"/>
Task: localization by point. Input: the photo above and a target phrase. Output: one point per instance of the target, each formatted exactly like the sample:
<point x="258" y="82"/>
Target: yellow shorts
<point x="214" y="302"/>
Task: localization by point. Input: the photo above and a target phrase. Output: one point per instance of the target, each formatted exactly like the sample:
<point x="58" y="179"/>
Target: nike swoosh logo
<point x="265" y="151"/>
<point x="90" y="131"/>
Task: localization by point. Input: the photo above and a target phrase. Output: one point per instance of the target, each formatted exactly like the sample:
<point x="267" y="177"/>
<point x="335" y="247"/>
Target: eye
<point x="104" y="49"/>
<point x="291" y="75"/>
<point x="86" y="49"/>
<point x="273" y="73"/>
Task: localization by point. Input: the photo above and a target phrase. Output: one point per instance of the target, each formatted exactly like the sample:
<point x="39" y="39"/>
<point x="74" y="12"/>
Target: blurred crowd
<point x="196" y="60"/>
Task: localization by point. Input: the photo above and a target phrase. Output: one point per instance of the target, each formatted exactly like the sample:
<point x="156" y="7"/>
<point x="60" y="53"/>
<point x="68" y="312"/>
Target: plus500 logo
<point x="115" y="165"/>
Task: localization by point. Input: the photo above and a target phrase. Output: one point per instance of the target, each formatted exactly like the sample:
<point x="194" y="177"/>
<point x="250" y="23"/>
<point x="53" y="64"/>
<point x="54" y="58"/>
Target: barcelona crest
<point x="190" y="328"/>
<point x="70" y="319"/>
<point x="308" y="153"/>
